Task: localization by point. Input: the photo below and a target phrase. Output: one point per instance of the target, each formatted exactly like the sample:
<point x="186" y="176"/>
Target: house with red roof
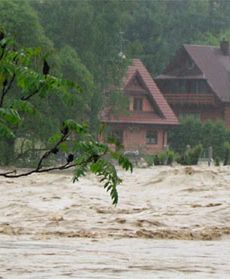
<point x="144" y="127"/>
<point x="197" y="82"/>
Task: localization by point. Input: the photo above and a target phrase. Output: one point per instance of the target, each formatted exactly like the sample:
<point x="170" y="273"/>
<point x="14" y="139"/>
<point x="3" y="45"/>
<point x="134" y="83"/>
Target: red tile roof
<point x="167" y="116"/>
<point x="215" y="68"/>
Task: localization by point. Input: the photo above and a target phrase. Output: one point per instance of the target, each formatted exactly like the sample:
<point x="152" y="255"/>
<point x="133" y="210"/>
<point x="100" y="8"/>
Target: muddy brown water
<point x="113" y="258"/>
<point x="171" y="222"/>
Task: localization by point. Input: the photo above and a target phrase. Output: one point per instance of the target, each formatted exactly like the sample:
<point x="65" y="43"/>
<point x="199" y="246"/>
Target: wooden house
<point x="144" y="127"/>
<point x="197" y="82"/>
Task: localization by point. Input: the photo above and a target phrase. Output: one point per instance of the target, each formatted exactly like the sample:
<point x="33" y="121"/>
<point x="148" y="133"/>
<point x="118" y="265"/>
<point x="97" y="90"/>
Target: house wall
<point x="134" y="138"/>
<point x="182" y="63"/>
<point x="227" y="115"/>
<point x="214" y="114"/>
<point x="146" y="105"/>
<point x="204" y="113"/>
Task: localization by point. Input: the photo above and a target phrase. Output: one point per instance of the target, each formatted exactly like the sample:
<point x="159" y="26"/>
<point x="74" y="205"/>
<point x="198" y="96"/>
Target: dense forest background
<point x="86" y="41"/>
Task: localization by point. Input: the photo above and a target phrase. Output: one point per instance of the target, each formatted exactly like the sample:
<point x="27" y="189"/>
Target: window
<point x="186" y="86"/>
<point x="137" y="104"/>
<point x="151" y="137"/>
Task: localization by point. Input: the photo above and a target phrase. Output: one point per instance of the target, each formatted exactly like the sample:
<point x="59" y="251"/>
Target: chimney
<point x="224" y="47"/>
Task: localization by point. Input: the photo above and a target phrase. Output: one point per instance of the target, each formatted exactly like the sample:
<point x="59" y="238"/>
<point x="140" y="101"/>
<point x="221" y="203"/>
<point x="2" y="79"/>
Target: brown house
<point x="144" y="127"/>
<point x="197" y="82"/>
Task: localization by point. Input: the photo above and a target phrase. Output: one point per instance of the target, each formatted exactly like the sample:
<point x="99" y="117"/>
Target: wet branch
<point x="39" y="168"/>
<point x="25" y="98"/>
<point x="5" y="89"/>
<point x="15" y="175"/>
<point x="47" y="154"/>
<point x="3" y="52"/>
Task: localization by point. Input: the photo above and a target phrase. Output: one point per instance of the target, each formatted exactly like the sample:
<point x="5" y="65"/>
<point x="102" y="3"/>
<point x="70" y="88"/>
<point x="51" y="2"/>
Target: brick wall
<point x="134" y="138"/>
<point x="215" y="114"/>
<point x="227" y="115"/>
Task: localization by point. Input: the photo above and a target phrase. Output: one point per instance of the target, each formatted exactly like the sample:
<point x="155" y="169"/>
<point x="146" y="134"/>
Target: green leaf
<point x="108" y="174"/>
<point x="5" y="132"/>
<point x="123" y="161"/>
<point x="79" y="171"/>
<point x="10" y="115"/>
<point x="64" y="147"/>
<point x="54" y="138"/>
<point x="76" y="127"/>
<point x="23" y="106"/>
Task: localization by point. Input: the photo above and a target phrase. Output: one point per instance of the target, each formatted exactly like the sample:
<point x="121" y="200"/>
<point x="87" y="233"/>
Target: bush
<point x="188" y="133"/>
<point x="171" y="157"/>
<point x="193" y="132"/>
<point x="217" y="161"/>
<point x="226" y="153"/>
<point x="190" y="156"/>
<point x="149" y="159"/>
<point x="163" y="158"/>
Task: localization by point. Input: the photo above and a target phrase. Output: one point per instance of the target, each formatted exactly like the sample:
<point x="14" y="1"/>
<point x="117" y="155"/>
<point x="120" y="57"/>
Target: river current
<point x="171" y="222"/>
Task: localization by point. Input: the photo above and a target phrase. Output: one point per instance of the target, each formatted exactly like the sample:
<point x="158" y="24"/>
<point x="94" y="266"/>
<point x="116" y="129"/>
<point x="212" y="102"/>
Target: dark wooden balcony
<point x="190" y="99"/>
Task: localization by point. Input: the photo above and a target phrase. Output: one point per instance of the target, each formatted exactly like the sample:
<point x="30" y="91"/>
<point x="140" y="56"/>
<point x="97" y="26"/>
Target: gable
<point x="138" y="81"/>
<point x="211" y="64"/>
<point x="215" y="67"/>
<point x="182" y="65"/>
<point x="136" y="89"/>
<point x="135" y="84"/>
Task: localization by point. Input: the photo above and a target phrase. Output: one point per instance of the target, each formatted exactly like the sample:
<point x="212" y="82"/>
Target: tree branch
<point x="3" y="52"/>
<point x="10" y="175"/>
<point x="39" y="169"/>
<point x="25" y="98"/>
<point x="6" y="89"/>
<point x="39" y="165"/>
<point x="47" y="154"/>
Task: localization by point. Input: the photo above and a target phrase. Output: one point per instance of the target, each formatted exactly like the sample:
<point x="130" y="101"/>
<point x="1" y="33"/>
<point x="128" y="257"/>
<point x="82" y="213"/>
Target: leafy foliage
<point x="165" y="157"/>
<point x="193" y="133"/>
<point x="190" y="156"/>
<point x="73" y="140"/>
<point x="226" y="153"/>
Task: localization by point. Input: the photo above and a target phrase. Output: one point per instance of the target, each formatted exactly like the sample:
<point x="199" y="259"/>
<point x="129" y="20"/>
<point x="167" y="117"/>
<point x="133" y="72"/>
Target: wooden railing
<point x="193" y="99"/>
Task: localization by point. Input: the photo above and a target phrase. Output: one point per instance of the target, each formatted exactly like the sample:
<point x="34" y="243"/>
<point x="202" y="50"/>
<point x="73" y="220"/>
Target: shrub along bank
<point x="192" y="140"/>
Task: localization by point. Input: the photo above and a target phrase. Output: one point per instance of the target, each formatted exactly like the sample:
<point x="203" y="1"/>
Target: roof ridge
<point x="197" y="45"/>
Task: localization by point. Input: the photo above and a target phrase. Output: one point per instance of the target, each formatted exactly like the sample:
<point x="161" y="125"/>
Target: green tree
<point x="92" y="29"/>
<point x="22" y="23"/>
<point x="158" y="28"/>
<point x="83" y="151"/>
<point x="188" y="133"/>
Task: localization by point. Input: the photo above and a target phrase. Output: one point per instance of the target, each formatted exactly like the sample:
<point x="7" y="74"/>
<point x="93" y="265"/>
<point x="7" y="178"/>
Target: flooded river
<point x="171" y="222"/>
<point x="113" y="258"/>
